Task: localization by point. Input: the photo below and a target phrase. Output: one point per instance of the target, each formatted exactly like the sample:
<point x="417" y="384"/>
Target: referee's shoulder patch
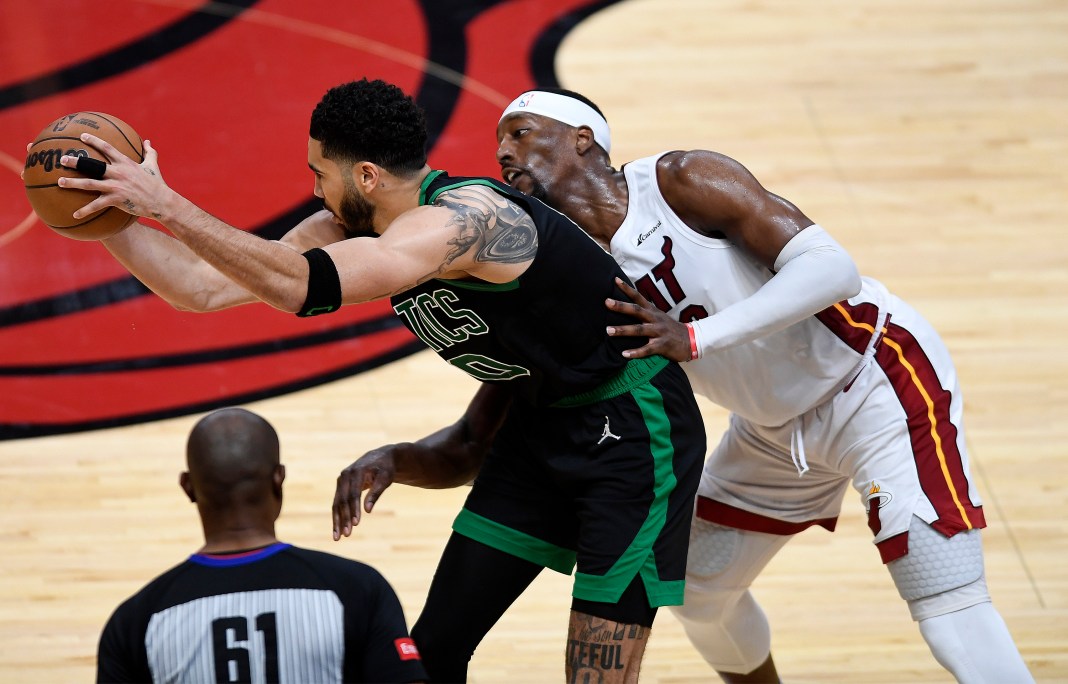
<point x="406" y="649"/>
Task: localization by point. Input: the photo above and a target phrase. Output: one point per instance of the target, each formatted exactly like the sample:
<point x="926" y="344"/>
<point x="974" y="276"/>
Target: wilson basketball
<point x="54" y="205"/>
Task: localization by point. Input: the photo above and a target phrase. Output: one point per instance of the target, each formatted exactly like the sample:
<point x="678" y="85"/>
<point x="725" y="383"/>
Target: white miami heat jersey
<point x="772" y="379"/>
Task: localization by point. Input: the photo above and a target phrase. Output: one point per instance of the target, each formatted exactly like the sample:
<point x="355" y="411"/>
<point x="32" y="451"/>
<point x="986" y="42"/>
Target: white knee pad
<point x="936" y="564"/>
<point x="720" y="616"/>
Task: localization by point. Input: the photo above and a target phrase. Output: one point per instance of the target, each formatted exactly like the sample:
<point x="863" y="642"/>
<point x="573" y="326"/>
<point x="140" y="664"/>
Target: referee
<point x="246" y="607"/>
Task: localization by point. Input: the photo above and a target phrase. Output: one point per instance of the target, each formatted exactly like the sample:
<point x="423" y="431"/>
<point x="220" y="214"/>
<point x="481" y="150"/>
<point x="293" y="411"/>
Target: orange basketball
<point x="55" y="205"/>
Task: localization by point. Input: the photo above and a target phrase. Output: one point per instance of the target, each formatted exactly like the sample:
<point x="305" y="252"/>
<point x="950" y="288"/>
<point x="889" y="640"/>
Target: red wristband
<point x="693" y="341"/>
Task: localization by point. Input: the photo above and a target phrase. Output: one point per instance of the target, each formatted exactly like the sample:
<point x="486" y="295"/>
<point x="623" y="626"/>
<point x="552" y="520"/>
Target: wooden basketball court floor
<point x="930" y="138"/>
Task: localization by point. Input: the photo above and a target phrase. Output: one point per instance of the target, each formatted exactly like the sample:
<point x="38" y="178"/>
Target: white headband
<point x="564" y="109"/>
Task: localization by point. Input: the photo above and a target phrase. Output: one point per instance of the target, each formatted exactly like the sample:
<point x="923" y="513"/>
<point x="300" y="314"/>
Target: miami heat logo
<point x="877" y="495"/>
<point x="875" y="499"/>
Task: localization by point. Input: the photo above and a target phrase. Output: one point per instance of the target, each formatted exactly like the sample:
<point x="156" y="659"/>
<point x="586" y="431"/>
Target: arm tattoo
<point x="495" y="225"/>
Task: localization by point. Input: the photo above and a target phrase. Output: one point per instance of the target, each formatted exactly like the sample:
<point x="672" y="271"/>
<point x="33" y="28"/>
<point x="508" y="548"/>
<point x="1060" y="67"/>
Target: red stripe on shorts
<point x="894" y="547"/>
<point x="934" y="436"/>
<point x="853" y="324"/>
<point x="729" y="516"/>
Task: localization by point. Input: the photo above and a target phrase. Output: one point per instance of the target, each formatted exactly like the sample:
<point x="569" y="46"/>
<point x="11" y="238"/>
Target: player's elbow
<point x="849" y="279"/>
<point x="838" y="272"/>
<point x="289" y="301"/>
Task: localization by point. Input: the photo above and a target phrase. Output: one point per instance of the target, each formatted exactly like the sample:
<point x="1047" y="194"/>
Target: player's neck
<point x="236" y="536"/>
<point x="597" y="202"/>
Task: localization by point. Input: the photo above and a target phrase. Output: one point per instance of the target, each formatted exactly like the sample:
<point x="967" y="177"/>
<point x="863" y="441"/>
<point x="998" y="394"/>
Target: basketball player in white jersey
<point x="831" y="381"/>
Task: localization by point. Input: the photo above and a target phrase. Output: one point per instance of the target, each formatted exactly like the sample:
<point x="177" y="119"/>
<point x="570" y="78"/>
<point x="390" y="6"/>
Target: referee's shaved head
<point x="232" y="455"/>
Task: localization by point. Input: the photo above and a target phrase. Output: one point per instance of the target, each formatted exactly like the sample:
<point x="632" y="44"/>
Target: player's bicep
<point x="719" y="197"/>
<point x="413" y="250"/>
<point x="492" y="237"/>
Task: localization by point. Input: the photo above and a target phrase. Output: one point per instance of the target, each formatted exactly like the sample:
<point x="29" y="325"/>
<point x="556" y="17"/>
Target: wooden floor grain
<point x="930" y="139"/>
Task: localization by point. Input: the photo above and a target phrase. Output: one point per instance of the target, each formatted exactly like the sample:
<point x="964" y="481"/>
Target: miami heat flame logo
<point x="876" y="493"/>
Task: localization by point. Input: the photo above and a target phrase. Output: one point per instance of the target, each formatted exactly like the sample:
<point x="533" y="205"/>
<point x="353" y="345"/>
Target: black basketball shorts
<point x="602" y="484"/>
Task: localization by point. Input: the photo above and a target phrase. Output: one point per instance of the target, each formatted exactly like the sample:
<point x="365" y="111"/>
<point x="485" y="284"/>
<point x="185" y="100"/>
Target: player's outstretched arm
<point x="274" y="273"/>
<point x="449" y="457"/>
<point x="425" y="242"/>
<point x="174" y="272"/>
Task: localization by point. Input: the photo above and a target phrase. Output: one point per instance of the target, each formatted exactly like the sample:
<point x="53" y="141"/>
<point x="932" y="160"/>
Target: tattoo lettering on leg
<point x="603" y="651"/>
<point x="596" y="656"/>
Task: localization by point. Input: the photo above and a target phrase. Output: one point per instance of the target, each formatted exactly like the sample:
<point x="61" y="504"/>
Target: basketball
<point x="54" y="205"/>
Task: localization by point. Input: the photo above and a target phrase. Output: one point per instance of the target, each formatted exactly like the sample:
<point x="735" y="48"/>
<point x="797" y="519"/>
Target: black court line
<point x="10" y="431"/>
<point x="185" y="31"/>
<point x="204" y="356"/>
<point x="543" y="54"/>
<point x="127" y="287"/>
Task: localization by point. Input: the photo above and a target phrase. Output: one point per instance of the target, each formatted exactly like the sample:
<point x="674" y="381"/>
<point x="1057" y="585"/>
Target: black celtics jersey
<point x="277" y="614"/>
<point x="545" y="331"/>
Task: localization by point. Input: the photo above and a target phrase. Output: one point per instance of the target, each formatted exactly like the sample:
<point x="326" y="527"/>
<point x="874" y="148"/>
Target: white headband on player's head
<point x="565" y="109"/>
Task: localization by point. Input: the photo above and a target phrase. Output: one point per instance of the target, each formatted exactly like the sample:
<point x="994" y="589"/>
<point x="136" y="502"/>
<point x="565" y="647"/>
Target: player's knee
<point x="445" y="653"/>
<point x="949" y="601"/>
<point x="725" y="625"/>
<point x="713" y="589"/>
<point x="711" y="552"/>
<point x="706" y="603"/>
<point x="940" y="574"/>
<point x="719" y="614"/>
<point x="728" y="629"/>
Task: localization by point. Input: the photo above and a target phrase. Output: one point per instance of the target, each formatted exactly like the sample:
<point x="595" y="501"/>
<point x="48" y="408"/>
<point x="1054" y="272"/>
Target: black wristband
<point x="324" y="285"/>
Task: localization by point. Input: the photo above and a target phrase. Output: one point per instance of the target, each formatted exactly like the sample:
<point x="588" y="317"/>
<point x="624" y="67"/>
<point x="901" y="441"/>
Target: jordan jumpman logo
<point x="607" y="432"/>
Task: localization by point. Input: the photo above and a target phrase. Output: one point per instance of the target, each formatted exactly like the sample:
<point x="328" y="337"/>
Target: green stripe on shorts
<point x="639" y="559"/>
<point x="519" y="544"/>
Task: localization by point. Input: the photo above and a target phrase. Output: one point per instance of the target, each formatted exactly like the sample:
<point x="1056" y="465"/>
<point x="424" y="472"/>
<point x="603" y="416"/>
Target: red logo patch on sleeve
<point x="406" y="649"/>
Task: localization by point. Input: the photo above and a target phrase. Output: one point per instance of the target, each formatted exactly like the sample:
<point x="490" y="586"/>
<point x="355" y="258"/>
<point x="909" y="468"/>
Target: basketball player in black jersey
<point x="596" y="462"/>
<point x="246" y="607"/>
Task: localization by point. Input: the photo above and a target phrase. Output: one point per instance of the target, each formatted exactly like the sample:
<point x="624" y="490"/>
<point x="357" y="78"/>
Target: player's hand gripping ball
<point x="55" y="205"/>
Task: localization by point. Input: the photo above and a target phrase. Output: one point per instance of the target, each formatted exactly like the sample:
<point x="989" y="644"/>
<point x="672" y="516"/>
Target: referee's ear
<point x="278" y="478"/>
<point x="186" y="483"/>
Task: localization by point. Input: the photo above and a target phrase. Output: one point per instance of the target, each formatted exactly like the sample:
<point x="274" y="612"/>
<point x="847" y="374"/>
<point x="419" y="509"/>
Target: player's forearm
<point x="453" y="455"/>
<point x="270" y="271"/>
<point x="440" y="461"/>
<point x="813" y="273"/>
<point x="172" y="271"/>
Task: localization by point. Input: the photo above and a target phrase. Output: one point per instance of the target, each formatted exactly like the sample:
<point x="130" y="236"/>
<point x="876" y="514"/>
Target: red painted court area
<point x="223" y="90"/>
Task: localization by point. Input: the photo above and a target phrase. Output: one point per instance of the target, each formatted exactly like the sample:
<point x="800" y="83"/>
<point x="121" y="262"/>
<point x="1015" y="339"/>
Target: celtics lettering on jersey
<point x="435" y="319"/>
